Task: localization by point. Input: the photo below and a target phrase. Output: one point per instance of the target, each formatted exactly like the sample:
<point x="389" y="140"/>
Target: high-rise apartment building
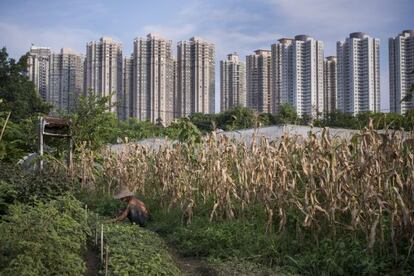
<point x="126" y="96"/>
<point x="258" y="80"/>
<point x="232" y="82"/>
<point x="66" y="73"/>
<point x="153" y="80"/>
<point x="401" y="54"/>
<point x="297" y="75"/>
<point x="38" y="69"/>
<point x="330" y="78"/>
<point x="103" y="69"/>
<point x="282" y="75"/>
<point x="358" y="74"/>
<point x="195" y="77"/>
<point x="175" y="89"/>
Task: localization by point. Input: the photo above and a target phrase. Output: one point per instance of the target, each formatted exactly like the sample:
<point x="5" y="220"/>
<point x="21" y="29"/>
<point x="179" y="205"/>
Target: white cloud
<point x="18" y="39"/>
<point x="337" y="14"/>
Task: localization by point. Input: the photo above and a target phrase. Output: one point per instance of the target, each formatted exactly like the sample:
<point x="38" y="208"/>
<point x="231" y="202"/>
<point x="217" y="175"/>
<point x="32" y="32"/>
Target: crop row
<point x="363" y="187"/>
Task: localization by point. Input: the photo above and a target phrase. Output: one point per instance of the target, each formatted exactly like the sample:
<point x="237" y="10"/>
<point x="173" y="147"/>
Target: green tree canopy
<point x="17" y="92"/>
<point x="92" y="121"/>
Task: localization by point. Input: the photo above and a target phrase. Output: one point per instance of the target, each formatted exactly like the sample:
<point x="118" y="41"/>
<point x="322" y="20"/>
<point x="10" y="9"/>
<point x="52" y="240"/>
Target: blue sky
<point x="233" y="25"/>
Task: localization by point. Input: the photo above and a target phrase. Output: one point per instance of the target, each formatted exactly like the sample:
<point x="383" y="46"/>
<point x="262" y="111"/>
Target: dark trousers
<point x="137" y="216"/>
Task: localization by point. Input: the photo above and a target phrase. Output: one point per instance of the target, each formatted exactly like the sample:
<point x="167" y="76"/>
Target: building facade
<point x="330" y="78"/>
<point x="232" y="83"/>
<point x="258" y="81"/>
<point x="153" y="80"/>
<point x="195" y="77"/>
<point x="38" y="69"/>
<point x="103" y="69"/>
<point x="66" y="80"/>
<point x="282" y="75"/>
<point x="126" y="96"/>
<point x="358" y="74"/>
<point x="297" y="75"/>
<point x="401" y="57"/>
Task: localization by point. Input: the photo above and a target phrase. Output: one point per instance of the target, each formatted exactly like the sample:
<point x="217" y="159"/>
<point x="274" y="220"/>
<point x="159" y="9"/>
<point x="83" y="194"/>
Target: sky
<point x="233" y="25"/>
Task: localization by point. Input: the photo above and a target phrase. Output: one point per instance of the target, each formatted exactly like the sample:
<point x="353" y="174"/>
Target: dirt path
<point x="192" y="266"/>
<point x="92" y="261"/>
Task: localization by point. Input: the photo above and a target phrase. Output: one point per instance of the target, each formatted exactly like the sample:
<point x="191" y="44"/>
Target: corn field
<point x="361" y="187"/>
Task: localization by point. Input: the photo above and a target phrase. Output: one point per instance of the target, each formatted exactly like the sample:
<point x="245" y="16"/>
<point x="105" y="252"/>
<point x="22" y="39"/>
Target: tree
<point x="184" y="130"/>
<point x="93" y="122"/>
<point x="409" y="96"/>
<point x="19" y="100"/>
<point x="18" y="93"/>
<point x="236" y="118"/>
<point x="204" y="122"/>
<point x="287" y="115"/>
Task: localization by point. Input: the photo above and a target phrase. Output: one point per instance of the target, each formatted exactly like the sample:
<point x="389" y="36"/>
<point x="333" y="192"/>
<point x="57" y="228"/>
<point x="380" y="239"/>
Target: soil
<point x="92" y="261"/>
<point x="192" y="266"/>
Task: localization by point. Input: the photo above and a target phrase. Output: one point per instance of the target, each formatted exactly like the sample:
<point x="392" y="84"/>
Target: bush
<point x="8" y="196"/>
<point x="44" y="239"/>
<point x="136" y="251"/>
<point x="28" y="186"/>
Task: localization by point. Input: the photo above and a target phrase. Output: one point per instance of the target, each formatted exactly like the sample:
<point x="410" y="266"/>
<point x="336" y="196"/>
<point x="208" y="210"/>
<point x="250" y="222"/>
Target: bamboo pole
<point x="102" y="246"/>
<point x="5" y="124"/>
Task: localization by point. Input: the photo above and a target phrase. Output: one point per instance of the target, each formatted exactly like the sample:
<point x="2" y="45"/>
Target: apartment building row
<point x="295" y="71"/>
<point x="151" y="84"/>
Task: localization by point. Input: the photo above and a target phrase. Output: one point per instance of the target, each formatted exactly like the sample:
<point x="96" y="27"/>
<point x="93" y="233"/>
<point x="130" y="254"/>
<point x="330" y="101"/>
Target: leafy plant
<point x="44" y="239"/>
<point x="136" y="251"/>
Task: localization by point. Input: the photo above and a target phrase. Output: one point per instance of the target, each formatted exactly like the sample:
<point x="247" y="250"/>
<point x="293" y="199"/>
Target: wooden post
<point x="106" y="260"/>
<point x="102" y="249"/>
<point x="96" y="230"/>
<point x="70" y="153"/>
<point x="40" y="140"/>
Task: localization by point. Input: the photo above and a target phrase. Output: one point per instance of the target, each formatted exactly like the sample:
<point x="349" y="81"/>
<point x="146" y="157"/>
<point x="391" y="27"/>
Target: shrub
<point x="136" y="251"/>
<point x="44" y="239"/>
<point x="48" y="184"/>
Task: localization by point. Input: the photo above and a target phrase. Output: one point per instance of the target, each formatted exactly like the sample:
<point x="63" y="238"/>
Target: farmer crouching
<point x="136" y="211"/>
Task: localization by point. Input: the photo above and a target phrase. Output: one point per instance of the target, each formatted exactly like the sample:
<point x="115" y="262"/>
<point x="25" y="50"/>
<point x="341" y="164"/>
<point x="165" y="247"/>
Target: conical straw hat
<point x="123" y="192"/>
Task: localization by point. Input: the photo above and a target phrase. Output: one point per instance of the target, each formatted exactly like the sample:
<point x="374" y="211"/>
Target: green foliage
<point x="287" y="115"/>
<point x="18" y="94"/>
<point x="8" y="196"/>
<point x="92" y="121"/>
<point x="267" y="119"/>
<point x="241" y="238"/>
<point x="44" y="239"/>
<point x="242" y="246"/>
<point x="361" y="120"/>
<point x="31" y="186"/>
<point x="183" y="130"/>
<point x="136" y="251"/>
<point x="409" y="96"/>
<point x="19" y="98"/>
<point x="19" y="138"/>
<point x="135" y="130"/>
<point x="242" y="266"/>
<point x="102" y="204"/>
<point x="236" y="118"/>
<point x="204" y="122"/>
